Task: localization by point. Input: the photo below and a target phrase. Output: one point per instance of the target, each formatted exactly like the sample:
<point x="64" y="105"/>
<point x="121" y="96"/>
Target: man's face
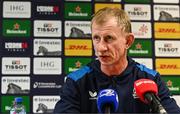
<point x="109" y="42"/>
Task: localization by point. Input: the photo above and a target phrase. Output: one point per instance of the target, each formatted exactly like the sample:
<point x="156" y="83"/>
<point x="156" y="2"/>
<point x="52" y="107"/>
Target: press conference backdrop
<point x="41" y="41"/>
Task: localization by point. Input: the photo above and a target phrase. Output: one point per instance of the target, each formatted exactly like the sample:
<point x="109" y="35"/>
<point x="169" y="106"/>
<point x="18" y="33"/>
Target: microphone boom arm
<point x="154" y="103"/>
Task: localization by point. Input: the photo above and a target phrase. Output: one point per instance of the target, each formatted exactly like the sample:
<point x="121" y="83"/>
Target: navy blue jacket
<point x="80" y="91"/>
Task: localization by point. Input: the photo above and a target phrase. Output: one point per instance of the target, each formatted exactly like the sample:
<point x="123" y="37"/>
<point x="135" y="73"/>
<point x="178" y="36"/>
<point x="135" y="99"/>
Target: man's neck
<point x="115" y="69"/>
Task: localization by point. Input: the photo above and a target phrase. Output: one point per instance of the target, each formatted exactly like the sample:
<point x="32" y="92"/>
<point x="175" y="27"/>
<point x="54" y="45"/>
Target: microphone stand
<point x="154" y="103"/>
<point x="107" y="109"/>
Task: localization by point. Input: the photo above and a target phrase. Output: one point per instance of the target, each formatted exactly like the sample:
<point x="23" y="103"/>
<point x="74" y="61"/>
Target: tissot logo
<point x="138" y="12"/>
<point x="47" y="28"/>
<point x="15" y="65"/>
<point x="167" y="48"/>
<point x="15" y="46"/>
<point x="16" y="9"/>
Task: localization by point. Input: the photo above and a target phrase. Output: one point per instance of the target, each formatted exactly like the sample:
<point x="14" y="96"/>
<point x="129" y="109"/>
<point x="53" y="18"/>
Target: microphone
<point x="107" y="101"/>
<point x="147" y="91"/>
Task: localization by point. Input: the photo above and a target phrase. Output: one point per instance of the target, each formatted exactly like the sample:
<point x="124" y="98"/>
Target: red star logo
<point x="78" y="64"/>
<point x="78" y="9"/>
<point x="169" y="83"/>
<point x="16" y="26"/>
<point x="138" y="46"/>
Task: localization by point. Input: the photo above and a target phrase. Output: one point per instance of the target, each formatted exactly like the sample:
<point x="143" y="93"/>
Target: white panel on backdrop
<point x="48" y="28"/>
<point x="15" y="85"/>
<point x="166" y="48"/>
<point x="47" y="47"/>
<point x="138" y="11"/>
<point x="77" y="29"/>
<point x="44" y="104"/>
<point x="141" y="29"/>
<point x="48" y="65"/>
<point x="166" y="1"/>
<point x="16" y="9"/>
<point x="161" y="12"/>
<point x="16" y="65"/>
<point x="145" y="61"/>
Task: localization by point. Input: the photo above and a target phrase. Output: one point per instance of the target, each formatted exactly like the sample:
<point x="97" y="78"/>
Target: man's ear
<point x="129" y="40"/>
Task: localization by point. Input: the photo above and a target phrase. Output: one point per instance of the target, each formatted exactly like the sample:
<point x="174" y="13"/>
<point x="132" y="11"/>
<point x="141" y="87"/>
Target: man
<point x="111" y="36"/>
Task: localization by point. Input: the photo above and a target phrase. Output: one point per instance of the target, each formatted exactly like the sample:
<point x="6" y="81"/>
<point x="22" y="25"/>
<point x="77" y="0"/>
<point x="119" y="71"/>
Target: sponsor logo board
<point x="15" y="65"/>
<point x="166" y="48"/>
<point x="168" y="66"/>
<point x="15" y="85"/>
<point x="76" y="47"/>
<point x="47" y="47"/>
<point x="16" y="9"/>
<point x="167" y="30"/>
<point x="48" y="65"/>
<point x="49" y="28"/>
<point x="80" y="29"/>
<point x="141" y="29"/>
<point x="138" y="12"/>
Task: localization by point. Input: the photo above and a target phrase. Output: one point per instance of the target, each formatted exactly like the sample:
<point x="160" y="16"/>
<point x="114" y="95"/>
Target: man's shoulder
<point x="80" y="73"/>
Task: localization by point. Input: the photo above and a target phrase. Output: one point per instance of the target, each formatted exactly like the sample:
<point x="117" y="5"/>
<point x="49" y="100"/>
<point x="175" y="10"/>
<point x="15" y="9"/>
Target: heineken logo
<point x="77" y="12"/>
<point x="138" y="49"/>
<point x="16" y="30"/>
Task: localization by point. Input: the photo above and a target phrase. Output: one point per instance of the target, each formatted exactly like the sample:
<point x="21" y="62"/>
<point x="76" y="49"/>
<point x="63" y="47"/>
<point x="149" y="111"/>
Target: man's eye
<point x="109" y="38"/>
<point x="96" y="38"/>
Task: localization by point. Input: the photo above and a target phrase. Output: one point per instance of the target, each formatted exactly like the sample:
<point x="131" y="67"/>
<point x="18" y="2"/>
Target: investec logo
<point x="167" y="48"/>
<point x="9" y="83"/>
<point x="47" y="28"/>
<point x="16" y="46"/>
<point x="17" y="9"/>
<point x="166" y="12"/>
<point x="48" y="10"/>
<point x="17" y="65"/>
<point x="138" y="12"/>
<point x="47" y="47"/>
<point x="78" y="47"/>
<point x="47" y="66"/>
<point x="44" y="101"/>
<point x="77" y="29"/>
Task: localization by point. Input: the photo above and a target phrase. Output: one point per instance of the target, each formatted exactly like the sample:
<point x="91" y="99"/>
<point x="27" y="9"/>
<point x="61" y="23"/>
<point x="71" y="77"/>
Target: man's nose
<point x="102" y="46"/>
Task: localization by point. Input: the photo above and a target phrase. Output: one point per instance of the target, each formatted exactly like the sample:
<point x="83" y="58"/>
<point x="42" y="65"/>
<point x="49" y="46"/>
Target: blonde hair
<point x="102" y="16"/>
